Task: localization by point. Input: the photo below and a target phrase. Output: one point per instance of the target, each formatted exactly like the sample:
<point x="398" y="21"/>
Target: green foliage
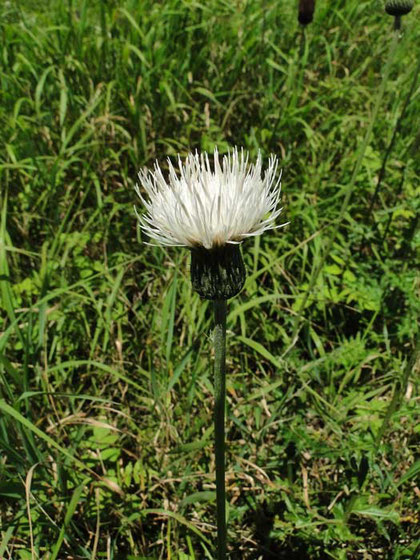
<point x="105" y="379"/>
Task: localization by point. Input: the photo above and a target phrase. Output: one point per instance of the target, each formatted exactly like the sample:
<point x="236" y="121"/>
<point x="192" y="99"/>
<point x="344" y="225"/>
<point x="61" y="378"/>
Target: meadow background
<point x="106" y="383"/>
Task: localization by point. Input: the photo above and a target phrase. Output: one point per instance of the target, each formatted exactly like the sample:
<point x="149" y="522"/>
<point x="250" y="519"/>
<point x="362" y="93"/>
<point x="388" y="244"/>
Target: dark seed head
<point x="217" y="273"/>
<point x="306" y="11"/>
<point x="398" y="7"/>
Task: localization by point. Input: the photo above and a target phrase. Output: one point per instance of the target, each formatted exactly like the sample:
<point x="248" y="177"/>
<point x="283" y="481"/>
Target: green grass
<point x="106" y="385"/>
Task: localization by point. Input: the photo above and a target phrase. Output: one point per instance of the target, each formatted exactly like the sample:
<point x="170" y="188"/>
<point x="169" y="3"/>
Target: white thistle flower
<point x="208" y="205"/>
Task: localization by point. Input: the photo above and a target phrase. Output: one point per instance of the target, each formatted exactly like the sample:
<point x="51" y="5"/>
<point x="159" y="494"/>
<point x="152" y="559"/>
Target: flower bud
<point x="217" y="273"/>
<point x="306" y="11"/>
<point x="398" y="7"/>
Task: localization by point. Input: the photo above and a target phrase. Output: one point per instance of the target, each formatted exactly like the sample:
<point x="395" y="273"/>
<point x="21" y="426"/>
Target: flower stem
<point x="219" y="421"/>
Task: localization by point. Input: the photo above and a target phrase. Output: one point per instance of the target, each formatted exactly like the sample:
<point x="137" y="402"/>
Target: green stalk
<point x="219" y="421"/>
<point x="388" y="153"/>
<point x="348" y="192"/>
<point x="397" y="23"/>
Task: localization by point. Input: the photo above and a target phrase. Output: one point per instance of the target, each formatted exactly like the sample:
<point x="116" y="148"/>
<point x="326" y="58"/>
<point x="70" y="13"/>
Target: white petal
<point x="208" y="205"/>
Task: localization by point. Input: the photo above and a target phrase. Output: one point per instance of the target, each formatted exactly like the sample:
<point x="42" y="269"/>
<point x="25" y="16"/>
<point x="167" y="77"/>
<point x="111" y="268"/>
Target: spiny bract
<point x="398" y="7"/>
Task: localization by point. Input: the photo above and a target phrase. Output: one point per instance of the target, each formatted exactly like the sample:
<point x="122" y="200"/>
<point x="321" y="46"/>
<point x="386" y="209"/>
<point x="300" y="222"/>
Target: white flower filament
<point x="209" y="206"/>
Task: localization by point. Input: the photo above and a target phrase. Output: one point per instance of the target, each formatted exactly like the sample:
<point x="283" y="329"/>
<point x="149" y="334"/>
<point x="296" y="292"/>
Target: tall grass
<point x="106" y="388"/>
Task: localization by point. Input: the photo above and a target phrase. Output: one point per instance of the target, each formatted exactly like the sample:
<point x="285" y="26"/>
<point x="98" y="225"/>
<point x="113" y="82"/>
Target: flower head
<point x="207" y="206"/>
<point x="306" y="11"/>
<point x="398" y="7"/>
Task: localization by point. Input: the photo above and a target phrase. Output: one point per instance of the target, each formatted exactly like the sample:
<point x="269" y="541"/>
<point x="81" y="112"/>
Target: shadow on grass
<point x="262" y="518"/>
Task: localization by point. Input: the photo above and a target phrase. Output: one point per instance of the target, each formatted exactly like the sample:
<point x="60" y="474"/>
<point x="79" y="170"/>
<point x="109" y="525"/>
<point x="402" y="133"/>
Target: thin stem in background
<point x="399" y="392"/>
<point x="389" y="149"/>
<point x="298" y="70"/>
<point x="349" y="191"/>
<point x="388" y="224"/>
<point x="219" y="421"/>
